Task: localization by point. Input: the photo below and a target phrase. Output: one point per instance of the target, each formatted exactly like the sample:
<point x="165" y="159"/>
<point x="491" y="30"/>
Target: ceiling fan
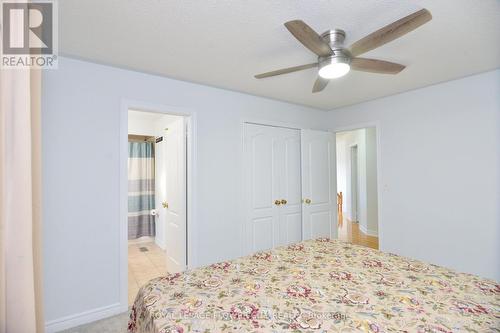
<point x="335" y="60"/>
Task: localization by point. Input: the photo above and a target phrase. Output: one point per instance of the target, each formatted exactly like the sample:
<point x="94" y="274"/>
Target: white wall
<point x="440" y="184"/>
<point x="371" y="182"/>
<point x="439" y="143"/>
<point x="341" y="169"/>
<point x="81" y="118"/>
<point x="345" y="140"/>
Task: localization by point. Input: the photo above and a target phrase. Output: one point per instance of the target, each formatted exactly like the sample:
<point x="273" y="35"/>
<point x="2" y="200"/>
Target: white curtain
<point x="21" y="309"/>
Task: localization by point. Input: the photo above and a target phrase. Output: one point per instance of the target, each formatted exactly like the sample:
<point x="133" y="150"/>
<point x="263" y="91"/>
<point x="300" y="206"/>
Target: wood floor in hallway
<point x="350" y="232"/>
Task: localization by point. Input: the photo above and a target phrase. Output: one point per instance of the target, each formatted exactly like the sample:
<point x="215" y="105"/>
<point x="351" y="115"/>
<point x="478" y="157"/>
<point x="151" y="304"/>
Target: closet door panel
<point x="318" y="184"/>
<point x="261" y="187"/>
<point x="319" y="156"/>
<point x="320" y="224"/>
<point x="262" y="155"/>
<point x="290" y="188"/>
<point x="291" y="185"/>
<point x="262" y="239"/>
<point x="291" y="228"/>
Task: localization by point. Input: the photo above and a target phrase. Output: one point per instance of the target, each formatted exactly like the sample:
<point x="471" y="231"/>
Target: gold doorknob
<point x="164" y="204"/>
<point x="277" y="202"/>
<point x="307" y="201"/>
<point x="283" y="202"/>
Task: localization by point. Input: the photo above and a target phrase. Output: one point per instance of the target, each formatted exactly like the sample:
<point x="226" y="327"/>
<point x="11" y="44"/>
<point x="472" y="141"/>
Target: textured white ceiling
<point x="223" y="43"/>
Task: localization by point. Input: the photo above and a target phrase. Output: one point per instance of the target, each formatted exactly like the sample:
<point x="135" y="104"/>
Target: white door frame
<point x="192" y="259"/>
<point x="378" y="131"/>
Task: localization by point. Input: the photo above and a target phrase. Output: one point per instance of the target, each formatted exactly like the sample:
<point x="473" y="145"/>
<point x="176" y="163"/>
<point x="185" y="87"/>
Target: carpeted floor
<point x="116" y="324"/>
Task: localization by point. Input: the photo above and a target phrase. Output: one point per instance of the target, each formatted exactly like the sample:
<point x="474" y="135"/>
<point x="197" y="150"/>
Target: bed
<point x="318" y="286"/>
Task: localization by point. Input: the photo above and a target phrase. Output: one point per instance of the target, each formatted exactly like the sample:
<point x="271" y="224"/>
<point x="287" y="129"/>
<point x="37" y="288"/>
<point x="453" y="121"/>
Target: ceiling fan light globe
<point x="334" y="67"/>
<point x="334" y="71"/>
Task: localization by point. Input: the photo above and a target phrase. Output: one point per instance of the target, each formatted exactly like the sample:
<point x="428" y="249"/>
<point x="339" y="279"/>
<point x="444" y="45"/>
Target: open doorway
<point x="157" y="196"/>
<point x="357" y="191"/>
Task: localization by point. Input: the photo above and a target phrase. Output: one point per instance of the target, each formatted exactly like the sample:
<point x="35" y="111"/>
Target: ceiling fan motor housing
<point x="335" y="38"/>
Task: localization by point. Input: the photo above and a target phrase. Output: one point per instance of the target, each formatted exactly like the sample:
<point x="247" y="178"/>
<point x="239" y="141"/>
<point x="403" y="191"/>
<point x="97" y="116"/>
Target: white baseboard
<point x="82" y="318"/>
<point x="368" y="232"/>
<point x="352" y="218"/>
<point x="160" y="245"/>
<point x="141" y="240"/>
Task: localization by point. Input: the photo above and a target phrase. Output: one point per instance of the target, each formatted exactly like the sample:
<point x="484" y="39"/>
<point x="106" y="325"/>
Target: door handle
<point x="277" y="202"/>
<point x="283" y="202"/>
<point x="164" y="204"/>
<point x="307" y="201"/>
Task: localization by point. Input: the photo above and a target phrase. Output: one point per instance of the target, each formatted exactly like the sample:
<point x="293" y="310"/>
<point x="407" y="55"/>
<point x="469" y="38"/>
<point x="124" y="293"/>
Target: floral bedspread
<point x="318" y="286"/>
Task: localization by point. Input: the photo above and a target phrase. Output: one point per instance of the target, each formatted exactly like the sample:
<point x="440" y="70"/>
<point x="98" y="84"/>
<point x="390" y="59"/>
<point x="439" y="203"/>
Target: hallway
<point x="349" y="232"/>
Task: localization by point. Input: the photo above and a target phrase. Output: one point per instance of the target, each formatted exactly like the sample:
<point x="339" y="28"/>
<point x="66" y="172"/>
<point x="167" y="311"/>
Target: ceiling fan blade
<point x="390" y="32"/>
<point x="376" y="66"/>
<point x="286" y="70"/>
<point x="308" y="37"/>
<point x="320" y="84"/>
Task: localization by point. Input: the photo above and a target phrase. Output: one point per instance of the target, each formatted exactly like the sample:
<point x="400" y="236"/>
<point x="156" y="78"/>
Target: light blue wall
<point x="80" y="115"/>
<point x="440" y="143"/>
<point x="440" y="171"/>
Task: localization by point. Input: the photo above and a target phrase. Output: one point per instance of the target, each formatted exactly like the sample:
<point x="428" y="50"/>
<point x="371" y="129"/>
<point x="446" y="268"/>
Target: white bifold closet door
<point x="319" y="184"/>
<point x="272" y="187"/>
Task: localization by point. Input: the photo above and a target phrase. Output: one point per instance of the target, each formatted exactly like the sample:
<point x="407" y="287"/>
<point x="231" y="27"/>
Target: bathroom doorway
<point x="157" y="196"/>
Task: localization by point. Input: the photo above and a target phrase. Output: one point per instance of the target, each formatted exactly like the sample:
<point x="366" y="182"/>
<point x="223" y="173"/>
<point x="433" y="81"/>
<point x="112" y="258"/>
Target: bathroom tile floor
<point x="144" y="266"/>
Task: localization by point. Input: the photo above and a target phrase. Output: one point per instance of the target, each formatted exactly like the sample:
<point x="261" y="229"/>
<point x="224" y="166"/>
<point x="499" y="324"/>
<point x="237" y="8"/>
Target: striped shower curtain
<point x="141" y="189"/>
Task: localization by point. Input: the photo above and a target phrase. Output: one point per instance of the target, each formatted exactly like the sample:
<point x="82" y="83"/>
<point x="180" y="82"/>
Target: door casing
<point x="380" y="187"/>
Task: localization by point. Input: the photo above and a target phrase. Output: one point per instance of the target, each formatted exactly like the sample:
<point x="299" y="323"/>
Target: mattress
<point x="318" y="286"/>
